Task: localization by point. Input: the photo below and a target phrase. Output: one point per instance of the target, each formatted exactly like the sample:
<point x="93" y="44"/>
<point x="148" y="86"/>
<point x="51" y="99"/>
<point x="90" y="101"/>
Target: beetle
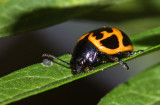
<point x="98" y="46"/>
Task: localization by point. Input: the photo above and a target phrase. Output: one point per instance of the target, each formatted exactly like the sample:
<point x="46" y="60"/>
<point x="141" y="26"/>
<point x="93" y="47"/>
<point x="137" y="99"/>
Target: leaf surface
<point x="143" y="89"/>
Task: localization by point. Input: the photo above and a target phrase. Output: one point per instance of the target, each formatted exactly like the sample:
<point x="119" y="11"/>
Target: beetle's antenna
<point x="53" y="57"/>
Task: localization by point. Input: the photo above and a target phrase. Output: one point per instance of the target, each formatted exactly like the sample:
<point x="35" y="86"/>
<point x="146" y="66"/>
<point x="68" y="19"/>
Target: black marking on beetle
<point x="98" y="35"/>
<point x="86" y="37"/>
<point x="111" y="42"/>
<point x="109" y="30"/>
<point x="126" y="40"/>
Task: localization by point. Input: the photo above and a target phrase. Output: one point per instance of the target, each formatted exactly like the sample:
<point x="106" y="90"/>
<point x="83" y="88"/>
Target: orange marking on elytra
<point x="104" y="49"/>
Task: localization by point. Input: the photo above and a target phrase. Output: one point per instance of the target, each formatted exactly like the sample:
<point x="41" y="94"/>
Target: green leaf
<point x="146" y="39"/>
<point x="143" y="89"/>
<point x="19" y="16"/>
<point x="132" y="17"/>
<point x="38" y="78"/>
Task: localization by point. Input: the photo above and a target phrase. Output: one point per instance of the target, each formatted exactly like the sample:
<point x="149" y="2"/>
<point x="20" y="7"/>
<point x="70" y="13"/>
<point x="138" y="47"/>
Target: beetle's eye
<point x="81" y="62"/>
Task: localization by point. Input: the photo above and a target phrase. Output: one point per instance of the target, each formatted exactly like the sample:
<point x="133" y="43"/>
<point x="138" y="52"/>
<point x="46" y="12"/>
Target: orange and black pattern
<point x="109" y="40"/>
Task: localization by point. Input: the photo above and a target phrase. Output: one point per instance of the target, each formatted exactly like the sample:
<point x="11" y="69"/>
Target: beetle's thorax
<point x="85" y="53"/>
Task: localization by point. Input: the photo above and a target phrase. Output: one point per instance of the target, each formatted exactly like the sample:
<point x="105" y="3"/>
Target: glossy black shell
<point x="85" y="54"/>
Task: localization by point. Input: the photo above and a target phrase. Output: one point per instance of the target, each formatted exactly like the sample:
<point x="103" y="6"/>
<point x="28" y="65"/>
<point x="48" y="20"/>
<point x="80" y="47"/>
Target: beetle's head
<point x="78" y="65"/>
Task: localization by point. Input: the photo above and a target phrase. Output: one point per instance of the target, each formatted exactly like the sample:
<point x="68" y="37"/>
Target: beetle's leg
<point x="90" y="68"/>
<point x="136" y="52"/>
<point x="84" y="70"/>
<point x="130" y="53"/>
<point x="116" y="59"/>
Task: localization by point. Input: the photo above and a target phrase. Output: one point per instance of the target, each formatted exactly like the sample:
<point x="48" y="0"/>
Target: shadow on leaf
<point x="148" y="40"/>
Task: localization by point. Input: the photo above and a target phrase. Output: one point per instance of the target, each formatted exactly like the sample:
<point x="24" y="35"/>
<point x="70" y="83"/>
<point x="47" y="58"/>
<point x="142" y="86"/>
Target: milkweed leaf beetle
<point x="97" y="46"/>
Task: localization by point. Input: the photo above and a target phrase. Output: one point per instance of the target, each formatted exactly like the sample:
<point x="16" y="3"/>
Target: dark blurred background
<point x="24" y="50"/>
